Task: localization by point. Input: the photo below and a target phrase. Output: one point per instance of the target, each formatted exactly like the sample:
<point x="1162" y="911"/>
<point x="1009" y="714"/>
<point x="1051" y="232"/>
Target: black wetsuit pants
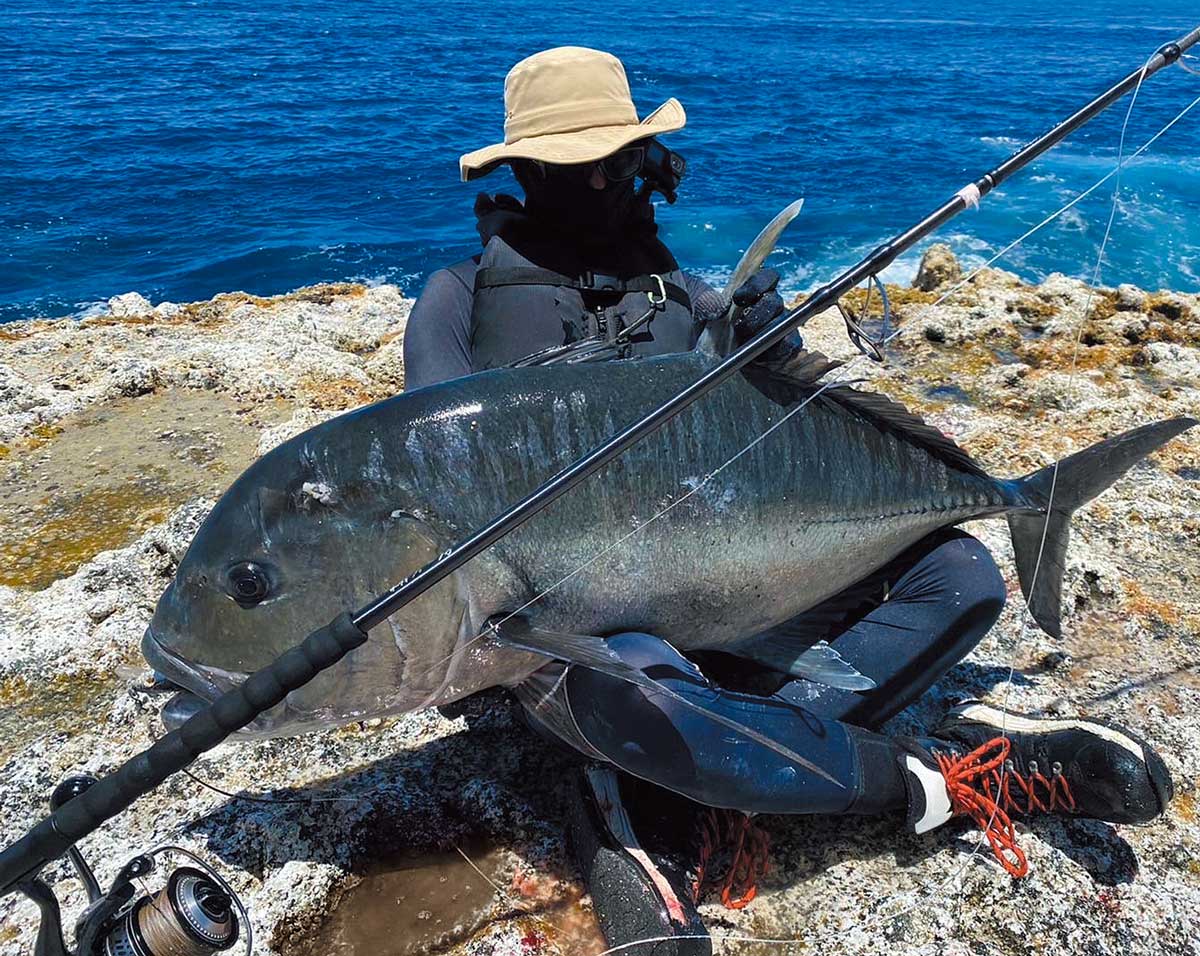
<point x="903" y="626"/>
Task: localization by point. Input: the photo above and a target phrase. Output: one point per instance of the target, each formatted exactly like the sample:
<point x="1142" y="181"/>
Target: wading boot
<point x="990" y="764"/>
<point x="637" y="892"/>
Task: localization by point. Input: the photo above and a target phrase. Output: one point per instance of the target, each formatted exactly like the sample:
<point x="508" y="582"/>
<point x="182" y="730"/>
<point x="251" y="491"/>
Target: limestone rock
<point x="130" y="378"/>
<point x="387" y="364"/>
<point x="1178" y="362"/>
<point x="1130" y="298"/>
<point x="302" y="419"/>
<point x="131" y="303"/>
<point x="939" y="267"/>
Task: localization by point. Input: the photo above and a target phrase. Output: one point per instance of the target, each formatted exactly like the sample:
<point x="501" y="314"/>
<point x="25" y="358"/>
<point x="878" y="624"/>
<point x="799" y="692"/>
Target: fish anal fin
<point x="793" y="654"/>
<point x="824" y="665"/>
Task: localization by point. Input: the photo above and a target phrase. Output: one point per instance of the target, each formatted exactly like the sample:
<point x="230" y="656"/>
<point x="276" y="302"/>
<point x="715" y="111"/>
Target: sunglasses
<point x="622" y="165"/>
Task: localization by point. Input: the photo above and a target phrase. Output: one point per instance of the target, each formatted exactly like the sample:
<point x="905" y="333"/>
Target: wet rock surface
<point x="1019" y="374"/>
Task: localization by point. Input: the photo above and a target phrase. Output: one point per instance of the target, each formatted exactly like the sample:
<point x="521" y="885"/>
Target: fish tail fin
<point x="1040" y="530"/>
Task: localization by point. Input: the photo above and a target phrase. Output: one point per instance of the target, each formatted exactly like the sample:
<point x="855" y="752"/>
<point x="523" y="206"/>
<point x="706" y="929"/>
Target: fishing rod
<point x="91" y="802"/>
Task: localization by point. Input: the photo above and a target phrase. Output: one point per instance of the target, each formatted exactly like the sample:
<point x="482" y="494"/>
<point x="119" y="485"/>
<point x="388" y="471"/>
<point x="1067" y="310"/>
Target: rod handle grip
<point x="230" y="712"/>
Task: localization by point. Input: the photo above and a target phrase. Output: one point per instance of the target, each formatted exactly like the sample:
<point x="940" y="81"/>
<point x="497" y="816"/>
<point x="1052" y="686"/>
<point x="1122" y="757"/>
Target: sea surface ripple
<point x="184" y="149"/>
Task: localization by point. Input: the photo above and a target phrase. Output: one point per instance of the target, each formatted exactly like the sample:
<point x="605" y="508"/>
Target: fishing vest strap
<point x="496" y="276"/>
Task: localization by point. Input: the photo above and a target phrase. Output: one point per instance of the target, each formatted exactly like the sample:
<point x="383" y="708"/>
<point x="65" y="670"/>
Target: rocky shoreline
<point x="118" y="431"/>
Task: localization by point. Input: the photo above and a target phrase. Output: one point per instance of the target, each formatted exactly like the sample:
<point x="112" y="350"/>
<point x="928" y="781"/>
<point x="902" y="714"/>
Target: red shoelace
<point x="749" y="850"/>
<point x="980" y="785"/>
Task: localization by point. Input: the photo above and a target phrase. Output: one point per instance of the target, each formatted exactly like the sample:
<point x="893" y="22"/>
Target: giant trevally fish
<point x="842" y="481"/>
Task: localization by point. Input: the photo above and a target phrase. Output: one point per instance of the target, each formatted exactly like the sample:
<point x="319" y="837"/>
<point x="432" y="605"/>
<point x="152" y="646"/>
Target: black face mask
<point x="562" y="197"/>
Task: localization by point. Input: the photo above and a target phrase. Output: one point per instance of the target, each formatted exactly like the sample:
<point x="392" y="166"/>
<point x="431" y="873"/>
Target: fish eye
<point x="248" y="583"/>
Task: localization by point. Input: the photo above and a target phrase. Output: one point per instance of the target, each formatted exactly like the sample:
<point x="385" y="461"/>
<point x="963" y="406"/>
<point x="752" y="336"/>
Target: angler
<point x="575" y="145"/>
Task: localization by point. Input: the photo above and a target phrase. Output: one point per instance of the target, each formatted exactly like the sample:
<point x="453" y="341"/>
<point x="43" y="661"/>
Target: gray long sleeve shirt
<point x="437" y="341"/>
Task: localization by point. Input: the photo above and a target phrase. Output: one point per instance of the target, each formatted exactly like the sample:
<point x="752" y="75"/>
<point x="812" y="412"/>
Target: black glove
<point x="759" y="306"/>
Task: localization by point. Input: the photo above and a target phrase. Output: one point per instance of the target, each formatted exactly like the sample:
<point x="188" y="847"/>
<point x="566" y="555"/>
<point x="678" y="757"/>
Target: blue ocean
<point x="182" y="149"/>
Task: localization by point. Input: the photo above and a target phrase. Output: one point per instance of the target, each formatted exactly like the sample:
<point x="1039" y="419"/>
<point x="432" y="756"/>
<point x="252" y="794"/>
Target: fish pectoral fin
<point x="583" y="649"/>
<point x="762" y="246"/>
<point x="819" y="662"/>
<point x="587" y="650"/>
<point x="717" y="339"/>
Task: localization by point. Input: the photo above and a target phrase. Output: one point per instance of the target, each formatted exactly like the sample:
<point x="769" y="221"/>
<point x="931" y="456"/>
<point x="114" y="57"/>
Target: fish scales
<point x="825" y="487"/>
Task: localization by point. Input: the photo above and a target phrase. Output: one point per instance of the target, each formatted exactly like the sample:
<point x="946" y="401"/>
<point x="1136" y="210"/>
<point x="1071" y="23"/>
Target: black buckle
<point x="587" y="281"/>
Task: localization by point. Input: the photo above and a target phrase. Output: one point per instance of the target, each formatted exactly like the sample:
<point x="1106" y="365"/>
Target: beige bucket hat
<point x="569" y="105"/>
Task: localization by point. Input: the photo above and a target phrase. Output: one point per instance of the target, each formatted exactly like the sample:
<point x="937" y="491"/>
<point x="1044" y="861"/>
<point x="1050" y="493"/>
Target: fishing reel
<point x="195" y="913"/>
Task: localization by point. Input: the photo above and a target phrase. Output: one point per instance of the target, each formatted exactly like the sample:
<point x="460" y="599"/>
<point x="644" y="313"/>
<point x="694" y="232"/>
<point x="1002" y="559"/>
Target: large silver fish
<point x="341" y="512"/>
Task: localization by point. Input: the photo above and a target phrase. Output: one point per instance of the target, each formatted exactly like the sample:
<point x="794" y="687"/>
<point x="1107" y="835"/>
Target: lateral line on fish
<point x="880" y="516"/>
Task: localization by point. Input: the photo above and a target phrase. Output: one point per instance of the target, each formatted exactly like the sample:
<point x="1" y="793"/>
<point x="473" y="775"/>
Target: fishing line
<point x="1054" y="215"/>
<point x="1027" y="614"/>
<point x="252" y="799"/>
<point x="608" y="549"/>
<point x="669" y="508"/>
<point x="502" y="892"/>
<point x="195" y="778"/>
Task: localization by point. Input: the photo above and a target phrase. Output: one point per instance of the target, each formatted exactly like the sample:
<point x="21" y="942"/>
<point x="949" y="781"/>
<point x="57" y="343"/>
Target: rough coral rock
<point x="131" y="303"/>
<point x="296" y="822"/>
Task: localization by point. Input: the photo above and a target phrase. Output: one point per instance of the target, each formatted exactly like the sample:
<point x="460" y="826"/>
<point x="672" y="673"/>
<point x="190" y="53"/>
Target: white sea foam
<point x="89" y="310"/>
<point x="1072" y="221"/>
<point x="1008" y="142"/>
<point x="1189" y="268"/>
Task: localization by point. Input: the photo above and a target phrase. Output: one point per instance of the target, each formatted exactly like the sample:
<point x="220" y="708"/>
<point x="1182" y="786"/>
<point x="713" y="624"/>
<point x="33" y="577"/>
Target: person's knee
<point x="969" y="572"/>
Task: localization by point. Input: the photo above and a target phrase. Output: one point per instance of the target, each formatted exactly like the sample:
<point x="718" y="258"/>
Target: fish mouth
<point x="195" y="688"/>
<point x="173" y="669"/>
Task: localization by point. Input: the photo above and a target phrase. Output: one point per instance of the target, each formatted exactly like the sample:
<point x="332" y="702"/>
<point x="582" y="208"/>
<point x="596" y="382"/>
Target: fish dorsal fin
<point x="797" y="377"/>
<point x="801" y="368"/>
<point x="893" y="417"/>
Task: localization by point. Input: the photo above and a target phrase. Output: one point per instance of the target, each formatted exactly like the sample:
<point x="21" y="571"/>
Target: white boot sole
<point x="1005" y="722"/>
